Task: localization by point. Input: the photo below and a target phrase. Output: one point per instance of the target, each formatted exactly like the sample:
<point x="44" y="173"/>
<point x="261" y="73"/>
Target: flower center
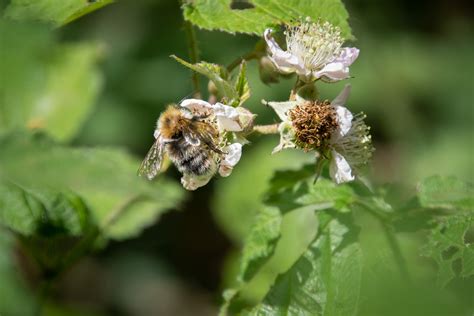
<point x="317" y="44"/>
<point x="313" y="123"/>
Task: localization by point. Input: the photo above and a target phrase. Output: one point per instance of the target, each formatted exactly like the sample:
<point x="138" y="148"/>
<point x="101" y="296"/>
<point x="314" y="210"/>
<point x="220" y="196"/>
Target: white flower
<point x="313" y="51"/>
<point x="234" y="152"/>
<point x="351" y="144"/>
<point x="326" y="126"/>
<point x="228" y="120"/>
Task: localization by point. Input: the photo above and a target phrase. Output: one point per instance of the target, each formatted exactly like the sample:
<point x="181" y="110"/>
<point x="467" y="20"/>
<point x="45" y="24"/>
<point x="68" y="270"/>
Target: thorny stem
<point x="266" y="129"/>
<point x="193" y="52"/>
<point x="391" y="238"/>
<point x="238" y="60"/>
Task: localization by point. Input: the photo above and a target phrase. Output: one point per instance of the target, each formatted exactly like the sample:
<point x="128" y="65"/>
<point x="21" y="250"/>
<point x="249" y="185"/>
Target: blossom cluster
<point x="314" y="52"/>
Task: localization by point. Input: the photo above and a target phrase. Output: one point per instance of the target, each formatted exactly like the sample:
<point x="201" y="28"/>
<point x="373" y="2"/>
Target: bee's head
<point x="170" y="123"/>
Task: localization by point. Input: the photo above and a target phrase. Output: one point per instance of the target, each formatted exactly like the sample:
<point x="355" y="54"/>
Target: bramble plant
<point x="326" y="241"/>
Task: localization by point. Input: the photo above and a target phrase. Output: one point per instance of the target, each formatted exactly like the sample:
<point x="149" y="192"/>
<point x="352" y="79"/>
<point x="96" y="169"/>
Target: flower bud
<point x="267" y="70"/>
<point x="246" y="119"/>
<point x="211" y="87"/>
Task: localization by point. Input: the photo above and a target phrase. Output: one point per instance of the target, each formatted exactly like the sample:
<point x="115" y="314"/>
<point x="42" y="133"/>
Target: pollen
<point x="316" y="44"/>
<point x="313" y="123"/>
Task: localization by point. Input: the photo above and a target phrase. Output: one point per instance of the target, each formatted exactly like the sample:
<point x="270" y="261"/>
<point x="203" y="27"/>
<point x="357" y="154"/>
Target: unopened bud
<point x="246" y="119"/>
<point x="267" y="70"/>
<point x="211" y="87"/>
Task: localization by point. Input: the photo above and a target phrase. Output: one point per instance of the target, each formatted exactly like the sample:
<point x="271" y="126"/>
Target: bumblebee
<point x="190" y="141"/>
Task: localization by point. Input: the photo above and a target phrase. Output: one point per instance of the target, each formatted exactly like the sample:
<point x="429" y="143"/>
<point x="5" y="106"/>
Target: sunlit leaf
<point x="326" y="280"/>
<point x="218" y="15"/>
<point x="242" y="86"/>
<point x="56" y="12"/>
<point x="293" y="189"/>
<point x="260" y="243"/>
<point x="215" y="73"/>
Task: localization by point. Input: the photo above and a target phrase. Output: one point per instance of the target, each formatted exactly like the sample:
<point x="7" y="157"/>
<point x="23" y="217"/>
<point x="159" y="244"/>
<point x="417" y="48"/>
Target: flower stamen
<point x="317" y="44"/>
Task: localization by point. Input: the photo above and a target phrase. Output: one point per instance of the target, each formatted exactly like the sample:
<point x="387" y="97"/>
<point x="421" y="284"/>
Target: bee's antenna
<point x="186" y="97"/>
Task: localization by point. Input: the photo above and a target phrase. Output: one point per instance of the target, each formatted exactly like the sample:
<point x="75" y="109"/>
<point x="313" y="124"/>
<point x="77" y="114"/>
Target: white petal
<point x="282" y="108"/>
<point x="286" y="137"/>
<point x="338" y="69"/>
<point x="344" y="120"/>
<point x="234" y="152"/>
<point x="156" y="133"/>
<point x="246" y="118"/>
<point x="284" y="61"/>
<point x="348" y="56"/>
<point x="191" y="182"/>
<point x="341" y="99"/>
<point x="339" y="169"/>
<point x="227" y="117"/>
<point x="334" y="71"/>
<point x="343" y="115"/>
<point x="197" y="107"/>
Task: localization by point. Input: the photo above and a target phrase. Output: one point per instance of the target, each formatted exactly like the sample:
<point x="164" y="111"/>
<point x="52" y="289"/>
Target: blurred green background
<point x="413" y="79"/>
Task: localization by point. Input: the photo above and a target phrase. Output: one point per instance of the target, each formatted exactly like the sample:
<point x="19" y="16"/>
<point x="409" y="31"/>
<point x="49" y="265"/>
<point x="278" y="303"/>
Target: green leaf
<point x="242" y="85"/>
<point x="121" y="203"/>
<point x="50" y="86"/>
<point x="218" y="15"/>
<point x="42" y="212"/>
<point x="292" y="189"/>
<point x="326" y="280"/>
<point x="447" y="244"/>
<point x="217" y="74"/>
<point x="50" y="223"/>
<point x="56" y="12"/>
<point x="446" y="192"/>
<point x="129" y="221"/>
<point x="260" y="243"/>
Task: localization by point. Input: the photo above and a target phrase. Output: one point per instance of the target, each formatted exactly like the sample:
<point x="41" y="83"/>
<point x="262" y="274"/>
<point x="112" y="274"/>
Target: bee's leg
<point x="168" y="140"/>
<point x="201" y="117"/>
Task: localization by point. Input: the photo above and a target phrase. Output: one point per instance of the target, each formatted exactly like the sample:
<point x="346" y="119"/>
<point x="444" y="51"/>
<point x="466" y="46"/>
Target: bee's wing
<point x="201" y="132"/>
<point x="151" y="165"/>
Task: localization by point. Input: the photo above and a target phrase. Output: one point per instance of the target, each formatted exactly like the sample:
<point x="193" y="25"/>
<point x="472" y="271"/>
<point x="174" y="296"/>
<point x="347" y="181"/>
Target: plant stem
<point x="248" y="56"/>
<point x="44" y="291"/>
<point x="193" y="52"/>
<point x="266" y="129"/>
<point x="84" y="246"/>
<point x="397" y="252"/>
<point x="319" y="167"/>
<point x="392" y="240"/>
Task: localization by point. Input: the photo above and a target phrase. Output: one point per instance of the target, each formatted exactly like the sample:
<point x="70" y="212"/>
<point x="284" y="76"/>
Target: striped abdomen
<point x="196" y="160"/>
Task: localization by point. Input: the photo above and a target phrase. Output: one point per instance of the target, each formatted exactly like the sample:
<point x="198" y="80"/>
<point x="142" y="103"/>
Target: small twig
<point x="266" y="129"/>
<point x="238" y="61"/>
<point x="193" y="52"/>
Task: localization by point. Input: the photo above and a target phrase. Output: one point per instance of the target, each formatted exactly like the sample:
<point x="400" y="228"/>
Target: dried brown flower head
<point x="313" y="123"/>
